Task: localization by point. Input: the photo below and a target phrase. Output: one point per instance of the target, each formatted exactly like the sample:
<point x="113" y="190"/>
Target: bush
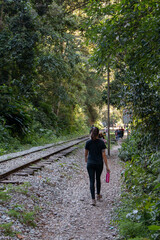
<point x="137" y="238"/>
<point x="139" y="215"/>
<point x="129" y="148"/>
<point x="7" y="229"/>
<point x="131" y="229"/>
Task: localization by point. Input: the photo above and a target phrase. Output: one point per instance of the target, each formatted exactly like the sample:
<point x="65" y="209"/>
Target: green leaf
<point x="154" y="227"/>
<point x="157" y="186"/>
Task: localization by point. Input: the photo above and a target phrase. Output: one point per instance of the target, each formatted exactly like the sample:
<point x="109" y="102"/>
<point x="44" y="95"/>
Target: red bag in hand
<point x="107" y="177"/>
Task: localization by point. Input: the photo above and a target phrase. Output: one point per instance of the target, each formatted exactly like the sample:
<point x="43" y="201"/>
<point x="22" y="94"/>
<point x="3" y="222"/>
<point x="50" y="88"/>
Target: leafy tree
<point x="44" y="66"/>
<point x="18" y="41"/>
<point x="126" y="35"/>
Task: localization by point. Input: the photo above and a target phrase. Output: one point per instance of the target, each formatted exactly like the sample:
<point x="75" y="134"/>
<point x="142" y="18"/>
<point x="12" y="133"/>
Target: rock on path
<point x="65" y="198"/>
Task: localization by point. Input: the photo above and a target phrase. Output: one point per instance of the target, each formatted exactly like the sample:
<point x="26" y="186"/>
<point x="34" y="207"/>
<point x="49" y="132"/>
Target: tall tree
<point x="126" y="34"/>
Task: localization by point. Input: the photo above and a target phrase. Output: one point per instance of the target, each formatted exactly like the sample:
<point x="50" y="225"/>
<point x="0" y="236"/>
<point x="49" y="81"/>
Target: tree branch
<point x="77" y="6"/>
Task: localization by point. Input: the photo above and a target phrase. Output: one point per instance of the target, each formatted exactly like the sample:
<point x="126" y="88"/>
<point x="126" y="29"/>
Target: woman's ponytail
<point x="94" y="133"/>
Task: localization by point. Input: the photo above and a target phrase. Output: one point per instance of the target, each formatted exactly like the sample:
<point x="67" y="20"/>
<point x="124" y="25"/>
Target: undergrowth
<point x="139" y="211"/>
<point x="17" y="211"/>
<point x="39" y="136"/>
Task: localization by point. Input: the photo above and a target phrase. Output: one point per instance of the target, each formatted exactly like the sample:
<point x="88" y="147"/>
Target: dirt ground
<point x="62" y="192"/>
<point x="76" y="217"/>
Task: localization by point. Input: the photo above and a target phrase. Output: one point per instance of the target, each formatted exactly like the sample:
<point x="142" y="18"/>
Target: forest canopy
<point x="46" y="79"/>
<point x="126" y="34"/>
<point x="54" y="57"/>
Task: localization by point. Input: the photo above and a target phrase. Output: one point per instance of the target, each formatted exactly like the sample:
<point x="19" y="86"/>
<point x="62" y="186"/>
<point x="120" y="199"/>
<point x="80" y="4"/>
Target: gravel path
<point x="61" y="194"/>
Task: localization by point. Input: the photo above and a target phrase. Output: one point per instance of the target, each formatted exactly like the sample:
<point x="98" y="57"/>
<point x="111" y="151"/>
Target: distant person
<point x="122" y="132"/>
<point x="118" y="134"/>
<point x="101" y="136"/>
<point x="94" y="156"/>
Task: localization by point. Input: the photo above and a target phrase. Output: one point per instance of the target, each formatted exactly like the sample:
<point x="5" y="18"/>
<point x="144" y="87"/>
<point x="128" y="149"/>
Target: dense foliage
<point x="44" y="72"/>
<point x="140" y="199"/>
<point x="126" y="36"/>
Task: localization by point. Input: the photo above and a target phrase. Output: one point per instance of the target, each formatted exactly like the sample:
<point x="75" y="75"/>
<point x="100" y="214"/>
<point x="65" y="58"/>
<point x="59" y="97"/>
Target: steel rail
<point x="7" y="157"/>
<point x="36" y="159"/>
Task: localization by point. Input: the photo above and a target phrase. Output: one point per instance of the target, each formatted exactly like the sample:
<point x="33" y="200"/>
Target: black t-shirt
<point x="95" y="148"/>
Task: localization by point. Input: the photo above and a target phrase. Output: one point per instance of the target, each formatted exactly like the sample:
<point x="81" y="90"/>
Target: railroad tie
<point x="11" y="182"/>
<point x="69" y="151"/>
<point x="48" y="162"/>
<point x="21" y="174"/>
<point x="54" y="158"/>
<point x="36" y="168"/>
<point x="25" y="172"/>
<point x="29" y="171"/>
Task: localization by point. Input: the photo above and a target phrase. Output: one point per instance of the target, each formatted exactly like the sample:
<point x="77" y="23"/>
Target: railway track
<point x="25" y="161"/>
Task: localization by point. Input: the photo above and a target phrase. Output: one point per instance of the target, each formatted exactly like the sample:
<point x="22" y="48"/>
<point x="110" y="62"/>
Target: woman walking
<point x="94" y="156"/>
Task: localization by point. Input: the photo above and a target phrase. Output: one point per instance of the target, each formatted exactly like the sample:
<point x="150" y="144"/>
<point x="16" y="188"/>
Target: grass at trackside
<point x="32" y="141"/>
<point x="16" y="145"/>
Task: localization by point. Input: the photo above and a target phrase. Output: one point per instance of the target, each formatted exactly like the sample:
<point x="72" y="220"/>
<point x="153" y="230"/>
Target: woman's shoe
<point x="93" y="203"/>
<point x="99" y="198"/>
